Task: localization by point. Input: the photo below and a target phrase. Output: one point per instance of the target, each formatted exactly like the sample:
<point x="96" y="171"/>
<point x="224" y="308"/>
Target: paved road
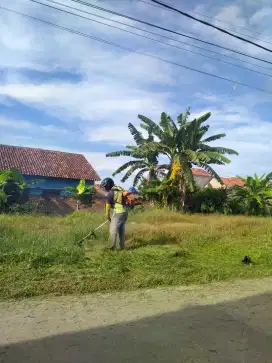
<point x="224" y="322"/>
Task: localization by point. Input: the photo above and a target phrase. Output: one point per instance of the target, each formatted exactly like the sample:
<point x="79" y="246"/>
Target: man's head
<point x="107" y="184"/>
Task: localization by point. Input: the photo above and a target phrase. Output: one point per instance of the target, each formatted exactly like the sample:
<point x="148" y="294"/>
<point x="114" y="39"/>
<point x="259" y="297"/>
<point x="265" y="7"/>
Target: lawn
<point x="37" y="255"/>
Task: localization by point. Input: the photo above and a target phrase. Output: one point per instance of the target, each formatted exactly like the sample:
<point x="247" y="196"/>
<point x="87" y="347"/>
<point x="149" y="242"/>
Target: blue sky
<point x="64" y="92"/>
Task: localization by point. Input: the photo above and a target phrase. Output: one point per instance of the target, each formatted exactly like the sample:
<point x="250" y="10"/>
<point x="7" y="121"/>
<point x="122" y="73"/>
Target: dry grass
<point x="37" y="255"/>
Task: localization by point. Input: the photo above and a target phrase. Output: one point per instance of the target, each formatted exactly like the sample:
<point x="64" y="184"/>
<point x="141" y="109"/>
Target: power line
<point x="213" y="18"/>
<point x="143" y="36"/>
<point x="159" y="35"/>
<point x="168" y="30"/>
<point x="211" y="25"/>
<point x="132" y="50"/>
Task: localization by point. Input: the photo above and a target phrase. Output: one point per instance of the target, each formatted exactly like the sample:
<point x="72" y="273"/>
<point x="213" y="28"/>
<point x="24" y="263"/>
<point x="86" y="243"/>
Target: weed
<point x="37" y="255"/>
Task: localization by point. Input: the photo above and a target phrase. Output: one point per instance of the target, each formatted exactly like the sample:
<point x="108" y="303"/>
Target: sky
<point x="61" y="91"/>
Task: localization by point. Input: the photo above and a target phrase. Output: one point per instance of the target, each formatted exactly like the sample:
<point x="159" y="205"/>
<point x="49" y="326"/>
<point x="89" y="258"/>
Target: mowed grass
<point x="37" y="255"/>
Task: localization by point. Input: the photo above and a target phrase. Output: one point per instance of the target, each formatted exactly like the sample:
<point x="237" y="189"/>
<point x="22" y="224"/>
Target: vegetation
<point x="184" y="144"/>
<point x="208" y="200"/>
<point x="37" y="255"/>
<point x="82" y="192"/>
<point x="11" y="187"/>
<point x="255" y="195"/>
<point x="145" y="160"/>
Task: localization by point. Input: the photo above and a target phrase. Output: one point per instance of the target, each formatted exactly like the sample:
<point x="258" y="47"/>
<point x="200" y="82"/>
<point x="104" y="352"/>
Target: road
<point x="222" y="322"/>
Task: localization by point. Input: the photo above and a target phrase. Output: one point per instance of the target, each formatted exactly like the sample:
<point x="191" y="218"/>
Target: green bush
<point x="207" y="200"/>
<point x="11" y="188"/>
<point x="210" y="200"/>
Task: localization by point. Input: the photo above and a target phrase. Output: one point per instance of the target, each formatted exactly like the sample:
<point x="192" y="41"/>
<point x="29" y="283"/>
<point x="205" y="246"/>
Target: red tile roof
<point x="200" y="172"/>
<point x="48" y="163"/>
<point x="232" y="181"/>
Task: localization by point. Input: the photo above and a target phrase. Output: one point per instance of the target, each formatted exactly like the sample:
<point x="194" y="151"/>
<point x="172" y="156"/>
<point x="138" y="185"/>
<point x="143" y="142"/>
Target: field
<point x="37" y="255"/>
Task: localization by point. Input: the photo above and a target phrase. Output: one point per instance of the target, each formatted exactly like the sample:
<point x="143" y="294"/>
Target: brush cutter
<point x="92" y="233"/>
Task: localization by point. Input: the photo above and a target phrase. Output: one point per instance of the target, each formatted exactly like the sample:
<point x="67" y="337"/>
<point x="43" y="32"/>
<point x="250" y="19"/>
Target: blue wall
<point x="49" y="184"/>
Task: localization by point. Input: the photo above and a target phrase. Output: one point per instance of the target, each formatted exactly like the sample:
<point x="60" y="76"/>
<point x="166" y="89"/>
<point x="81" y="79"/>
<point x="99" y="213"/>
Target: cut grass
<point x="37" y="255"/>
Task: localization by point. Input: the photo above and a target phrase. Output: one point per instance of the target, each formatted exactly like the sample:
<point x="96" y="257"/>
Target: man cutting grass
<point x="120" y="201"/>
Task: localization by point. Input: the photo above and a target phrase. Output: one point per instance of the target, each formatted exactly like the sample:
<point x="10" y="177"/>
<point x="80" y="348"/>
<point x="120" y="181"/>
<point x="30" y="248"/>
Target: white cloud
<point x="100" y="162"/>
<point x="112" y="134"/>
<point x="259" y="16"/>
<point x="15" y="124"/>
<point x="30" y="127"/>
<point x="206" y="97"/>
<point x="91" y="102"/>
<point x="246" y="133"/>
<point x="232" y="14"/>
<point x="116" y="85"/>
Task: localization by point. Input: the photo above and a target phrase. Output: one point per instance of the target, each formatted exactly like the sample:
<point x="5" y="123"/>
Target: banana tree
<point x="82" y="192"/>
<point x="184" y="145"/>
<point x="144" y="159"/>
<point x="256" y="194"/>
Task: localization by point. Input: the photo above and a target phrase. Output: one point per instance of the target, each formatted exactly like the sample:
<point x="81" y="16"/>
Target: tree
<point x="145" y="160"/>
<point x="11" y="187"/>
<point x="162" y="192"/>
<point x="256" y="194"/>
<point x="82" y="192"/>
<point x="184" y="144"/>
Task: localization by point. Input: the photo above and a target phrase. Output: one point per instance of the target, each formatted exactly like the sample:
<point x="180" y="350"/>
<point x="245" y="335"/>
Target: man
<point x="117" y="200"/>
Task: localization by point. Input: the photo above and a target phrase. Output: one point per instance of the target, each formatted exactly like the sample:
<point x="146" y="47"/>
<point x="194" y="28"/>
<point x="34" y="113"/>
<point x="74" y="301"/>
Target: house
<point x="228" y="182"/>
<point x="204" y="179"/>
<point x="47" y="171"/>
<point x="201" y="177"/>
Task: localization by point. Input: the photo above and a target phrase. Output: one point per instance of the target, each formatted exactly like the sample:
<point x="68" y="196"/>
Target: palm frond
<point x="214" y="137"/>
<point x="157" y="131"/>
<point x="203" y="118"/>
<point x="192" y="155"/>
<point x="145" y="127"/>
<point x="173" y="125"/>
<point x="157" y="147"/>
<point x="204" y="157"/>
<point x="119" y="153"/>
<point x="269" y="176"/>
<point x="218" y="149"/>
<point x="132" y="147"/>
<point x="166" y="125"/>
<point x="137" y="136"/>
<point x="183" y="118"/>
<point x="138" y="176"/>
<point x="125" y="166"/>
<point x="131" y="170"/>
<point x="210" y="170"/>
<point x="214" y="155"/>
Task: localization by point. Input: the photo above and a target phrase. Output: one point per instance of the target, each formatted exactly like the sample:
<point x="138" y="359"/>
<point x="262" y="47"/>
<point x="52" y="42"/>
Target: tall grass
<point x="37" y="255"/>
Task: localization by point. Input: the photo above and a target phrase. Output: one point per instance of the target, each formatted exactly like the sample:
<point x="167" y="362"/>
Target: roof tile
<point x="48" y="163"/>
<point x="232" y="181"/>
<point x="200" y="172"/>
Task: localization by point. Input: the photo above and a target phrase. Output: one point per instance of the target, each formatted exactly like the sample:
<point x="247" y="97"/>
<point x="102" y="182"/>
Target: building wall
<point x="52" y="204"/>
<point x="201" y="180"/>
<point x="42" y="184"/>
<point x="215" y="184"/>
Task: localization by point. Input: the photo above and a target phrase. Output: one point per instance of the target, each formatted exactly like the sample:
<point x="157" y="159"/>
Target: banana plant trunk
<point x="182" y="193"/>
<point x="151" y="175"/>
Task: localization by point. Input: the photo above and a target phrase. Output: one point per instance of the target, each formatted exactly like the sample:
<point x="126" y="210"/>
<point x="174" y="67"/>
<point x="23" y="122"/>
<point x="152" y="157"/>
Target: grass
<point x="37" y="255"/>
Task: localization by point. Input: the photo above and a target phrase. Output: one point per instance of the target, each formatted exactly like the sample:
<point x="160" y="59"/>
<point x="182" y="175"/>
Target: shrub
<point x="11" y="187"/>
<point x="207" y="200"/>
